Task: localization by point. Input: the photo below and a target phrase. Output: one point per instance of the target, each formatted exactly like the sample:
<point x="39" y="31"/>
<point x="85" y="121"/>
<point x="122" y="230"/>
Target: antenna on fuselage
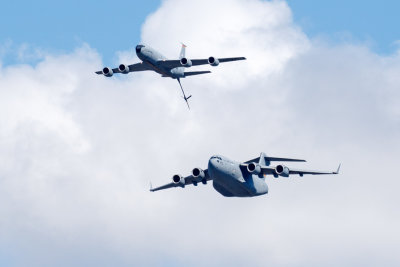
<point x="183" y="92"/>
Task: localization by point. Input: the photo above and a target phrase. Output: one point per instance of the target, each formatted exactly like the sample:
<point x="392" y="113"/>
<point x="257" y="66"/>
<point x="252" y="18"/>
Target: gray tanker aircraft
<point x="235" y="179"/>
<point x="175" y="69"/>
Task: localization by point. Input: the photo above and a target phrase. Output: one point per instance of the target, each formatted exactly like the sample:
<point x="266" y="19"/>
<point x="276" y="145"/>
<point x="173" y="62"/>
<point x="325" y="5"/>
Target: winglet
<point x="338" y="169"/>
<point x="151" y="187"/>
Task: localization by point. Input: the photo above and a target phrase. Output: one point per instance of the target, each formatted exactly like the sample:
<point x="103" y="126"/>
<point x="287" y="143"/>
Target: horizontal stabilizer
<point x="191" y="73"/>
<point x="264" y="159"/>
<point x="283" y="159"/>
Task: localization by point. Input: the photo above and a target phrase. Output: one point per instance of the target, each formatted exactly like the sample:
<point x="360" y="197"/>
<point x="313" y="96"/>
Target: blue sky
<point x="62" y="26"/>
<point x="374" y="21"/>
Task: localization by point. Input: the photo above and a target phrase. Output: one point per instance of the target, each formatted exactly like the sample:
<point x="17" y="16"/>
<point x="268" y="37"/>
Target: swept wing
<point x="188" y="180"/>
<point x="272" y="170"/>
<point x="195" y="62"/>
<point x="142" y="66"/>
<point x="284" y="170"/>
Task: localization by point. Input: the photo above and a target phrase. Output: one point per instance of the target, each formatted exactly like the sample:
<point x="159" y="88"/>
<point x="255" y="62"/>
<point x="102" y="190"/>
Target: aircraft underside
<point x="230" y="186"/>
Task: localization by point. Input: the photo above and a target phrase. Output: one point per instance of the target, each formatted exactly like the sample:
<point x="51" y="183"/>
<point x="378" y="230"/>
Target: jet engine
<point x="254" y="168"/>
<point x="179" y="180"/>
<point x="107" y="72"/>
<point x="213" y="61"/>
<point x="123" y="68"/>
<point x="282" y="170"/>
<point x="198" y="174"/>
<point x="186" y="62"/>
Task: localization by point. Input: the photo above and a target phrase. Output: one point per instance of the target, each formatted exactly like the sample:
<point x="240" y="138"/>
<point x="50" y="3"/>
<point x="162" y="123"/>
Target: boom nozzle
<point x="183" y="92"/>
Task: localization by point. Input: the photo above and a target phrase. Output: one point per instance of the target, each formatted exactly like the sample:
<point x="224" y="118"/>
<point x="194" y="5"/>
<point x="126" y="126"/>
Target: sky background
<point x="61" y="26"/>
<point x="77" y="150"/>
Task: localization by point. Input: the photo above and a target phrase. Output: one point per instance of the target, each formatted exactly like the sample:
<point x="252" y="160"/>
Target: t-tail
<point x="265" y="160"/>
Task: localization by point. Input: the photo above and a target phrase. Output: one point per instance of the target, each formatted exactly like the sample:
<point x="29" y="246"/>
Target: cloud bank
<point x="77" y="151"/>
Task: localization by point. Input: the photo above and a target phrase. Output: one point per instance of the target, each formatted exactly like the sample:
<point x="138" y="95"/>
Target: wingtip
<point x="338" y="169"/>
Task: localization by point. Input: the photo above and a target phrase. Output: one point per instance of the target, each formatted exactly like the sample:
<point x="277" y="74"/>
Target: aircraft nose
<point x="138" y="48"/>
<point x="213" y="163"/>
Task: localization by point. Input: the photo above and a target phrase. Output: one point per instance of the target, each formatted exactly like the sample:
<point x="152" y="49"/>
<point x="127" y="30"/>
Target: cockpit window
<point x="216" y="157"/>
<point x="139" y="48"/>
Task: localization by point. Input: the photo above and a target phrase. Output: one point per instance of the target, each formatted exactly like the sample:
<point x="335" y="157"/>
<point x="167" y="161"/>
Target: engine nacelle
<point x="186" y="62"/>
<point x="179" y="180"/>
<point x="254" y="168"/>
<point x="282" y="170"/>
<point x="213" y="61"/>
<point x="107" y="72"/>
<point x="198" y="174"/>
<point x="123" y="68"/>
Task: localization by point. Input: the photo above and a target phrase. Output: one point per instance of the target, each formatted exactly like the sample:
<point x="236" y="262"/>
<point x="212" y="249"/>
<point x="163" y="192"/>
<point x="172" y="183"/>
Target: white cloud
<point x="26" y="53"/>
<point x="257" y="29"/>
<point x="77" y="151"/>
<point x="21" y="53"/>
